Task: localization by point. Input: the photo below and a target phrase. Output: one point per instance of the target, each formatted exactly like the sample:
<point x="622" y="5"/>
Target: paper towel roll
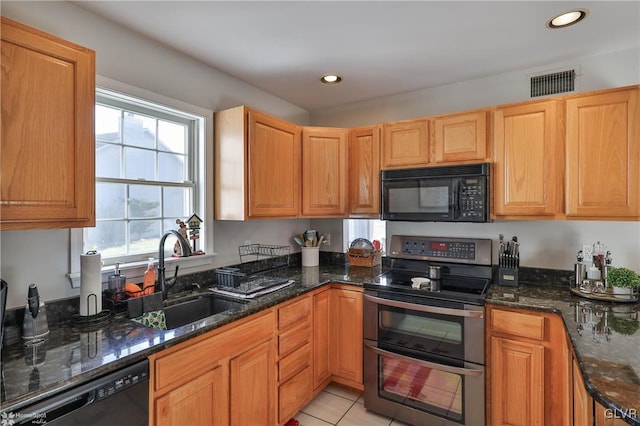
<point x="90" y="284"/>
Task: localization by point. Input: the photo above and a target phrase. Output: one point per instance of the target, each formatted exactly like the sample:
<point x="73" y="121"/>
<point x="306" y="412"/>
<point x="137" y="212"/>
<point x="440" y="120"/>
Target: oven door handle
<point x="424" y="308"/>
<point x="428" y="364"/>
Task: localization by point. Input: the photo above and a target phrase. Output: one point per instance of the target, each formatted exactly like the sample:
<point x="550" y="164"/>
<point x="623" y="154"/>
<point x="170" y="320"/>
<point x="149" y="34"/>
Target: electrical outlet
<point x="587" y="252"/>
<point x="327" y="240"/>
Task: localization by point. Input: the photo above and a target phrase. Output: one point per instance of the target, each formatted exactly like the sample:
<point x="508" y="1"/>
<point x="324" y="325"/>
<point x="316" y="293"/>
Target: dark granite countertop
<point x="75" y="354"/>
<point x="604" y="335"/>
<point x="605" y="338"/>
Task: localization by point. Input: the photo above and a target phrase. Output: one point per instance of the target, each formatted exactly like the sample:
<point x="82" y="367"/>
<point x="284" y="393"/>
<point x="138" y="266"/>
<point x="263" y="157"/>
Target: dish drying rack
<point x="263" y="269"/>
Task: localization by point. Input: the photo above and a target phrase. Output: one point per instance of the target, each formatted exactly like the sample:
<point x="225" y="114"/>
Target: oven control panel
<point x="461" y="250"/>
<point x="440" y="249"/>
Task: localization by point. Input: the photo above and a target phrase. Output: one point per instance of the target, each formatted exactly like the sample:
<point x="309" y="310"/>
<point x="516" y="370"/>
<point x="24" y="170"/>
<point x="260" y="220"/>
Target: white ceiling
<point x="380" y="47"/>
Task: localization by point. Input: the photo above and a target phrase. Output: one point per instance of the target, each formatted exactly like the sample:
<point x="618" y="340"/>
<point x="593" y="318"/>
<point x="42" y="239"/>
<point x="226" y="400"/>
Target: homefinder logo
<point x="11" y="418"/>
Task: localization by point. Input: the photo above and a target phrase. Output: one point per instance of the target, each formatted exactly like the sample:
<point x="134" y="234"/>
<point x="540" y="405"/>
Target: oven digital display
<point x="439" y="246"/>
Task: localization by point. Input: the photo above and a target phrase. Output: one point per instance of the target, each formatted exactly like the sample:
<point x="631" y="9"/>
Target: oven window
<point x="420" y="326"/>
<point x="427" y="389"/>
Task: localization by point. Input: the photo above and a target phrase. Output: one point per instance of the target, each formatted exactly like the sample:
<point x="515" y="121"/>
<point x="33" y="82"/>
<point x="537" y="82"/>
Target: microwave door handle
<point x="428" y="364"/>
<point x="424" y="308"/>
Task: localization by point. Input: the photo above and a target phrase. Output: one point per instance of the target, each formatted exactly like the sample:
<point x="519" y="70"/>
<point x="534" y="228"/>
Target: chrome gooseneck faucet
<point x="162" y="279"/>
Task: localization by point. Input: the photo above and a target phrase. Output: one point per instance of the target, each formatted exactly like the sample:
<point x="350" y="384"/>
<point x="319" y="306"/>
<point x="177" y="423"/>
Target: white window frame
<point x="134" y="271"/>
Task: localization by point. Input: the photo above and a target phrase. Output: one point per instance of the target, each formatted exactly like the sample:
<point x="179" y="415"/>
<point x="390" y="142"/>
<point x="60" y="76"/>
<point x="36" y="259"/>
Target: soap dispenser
<point x="116" y="283"/>
<point x="149" y="283"/>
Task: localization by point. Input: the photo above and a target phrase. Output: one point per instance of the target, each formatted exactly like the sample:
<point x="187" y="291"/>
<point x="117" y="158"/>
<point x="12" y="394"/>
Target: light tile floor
<point x="340" y="406"/>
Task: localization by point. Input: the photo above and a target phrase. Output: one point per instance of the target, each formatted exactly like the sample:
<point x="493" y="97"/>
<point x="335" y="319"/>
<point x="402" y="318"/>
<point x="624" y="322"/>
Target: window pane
<point x="144" y="201"/>
<point x="171" y="137"/>
<point x="139" y="164"/>
<point x="108" y="237"/>
<point x="139" y="130"/>
<point x="145" y="236"/>
<point x="171" y="167"/>
<point x="110" y="201"/>
<point x="107" y="124"/>
<point x="107" y="160"/>
<point x="176" y="203"/>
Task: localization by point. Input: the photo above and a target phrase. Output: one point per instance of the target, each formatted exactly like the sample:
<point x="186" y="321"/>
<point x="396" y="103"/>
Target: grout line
<point x="345" y="413"/>
<point x="318" y="418"/>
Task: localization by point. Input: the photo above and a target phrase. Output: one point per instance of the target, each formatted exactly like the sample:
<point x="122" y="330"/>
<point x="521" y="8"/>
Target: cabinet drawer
<point x="518" y="324"/>
<point x="294" y="394"/>
<point x="293" y="363"/>
<point x="294" y="313"/>
<point x="293" y="339"/>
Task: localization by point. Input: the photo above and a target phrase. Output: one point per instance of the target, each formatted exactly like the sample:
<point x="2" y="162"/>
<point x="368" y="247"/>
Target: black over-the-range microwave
<point x="437" y="194"/>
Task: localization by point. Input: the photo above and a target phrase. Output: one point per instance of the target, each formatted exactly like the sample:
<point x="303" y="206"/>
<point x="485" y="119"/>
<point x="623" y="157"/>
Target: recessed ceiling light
<point x="331" y="79"/>
<point x="567" y="18"/>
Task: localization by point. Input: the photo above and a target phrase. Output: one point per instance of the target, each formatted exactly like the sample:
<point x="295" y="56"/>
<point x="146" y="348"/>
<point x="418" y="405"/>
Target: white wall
<point x="42" y="257"/>
<point x="543" y="244"/>
<point x="615" y="69"/>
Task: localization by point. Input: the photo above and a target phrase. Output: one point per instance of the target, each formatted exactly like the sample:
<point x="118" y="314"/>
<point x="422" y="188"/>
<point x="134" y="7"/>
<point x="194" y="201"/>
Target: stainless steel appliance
<point x="424" y="345"/>
<point x="438" y="194"/>
<point x="119" y="398"/>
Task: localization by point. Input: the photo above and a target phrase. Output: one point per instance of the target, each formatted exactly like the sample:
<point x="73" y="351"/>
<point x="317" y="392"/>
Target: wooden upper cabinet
<point x="603" y="155"/>
<point x="324" y="172"/>
<point x="528" y="160"/>
<point x="48" y="142"/>
<point x="364" y="172"/>
<point x="405" y="144"/>
<point x="257" y="166"/>
<point x="460" y="137"/>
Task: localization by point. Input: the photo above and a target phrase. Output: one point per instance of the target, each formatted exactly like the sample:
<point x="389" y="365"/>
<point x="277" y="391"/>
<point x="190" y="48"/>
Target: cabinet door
<point x="460" y="137"/>
<point x="321" y="357"/>
<point x="252" y="386"/>
<point x="517" y="382"/>
<point x="48" y="142"/>
<point x="528" y="165"/>
<point x="274" y="167"/>
<point x="346" y="336"/>
<point x="324" y="172"/>
<point x="405" y="144"/>
<point x="603" y="155"/>
<point x="607" y="417"/>
<point x="364" y="172"/>
<point x="582" y="401"/>
<point x="202" y="401"/>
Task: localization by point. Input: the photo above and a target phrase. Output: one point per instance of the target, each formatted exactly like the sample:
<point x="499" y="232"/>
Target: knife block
<point x="508" y="276"/>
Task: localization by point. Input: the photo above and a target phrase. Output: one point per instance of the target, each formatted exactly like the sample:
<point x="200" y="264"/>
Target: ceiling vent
<point x="553" y="83"/>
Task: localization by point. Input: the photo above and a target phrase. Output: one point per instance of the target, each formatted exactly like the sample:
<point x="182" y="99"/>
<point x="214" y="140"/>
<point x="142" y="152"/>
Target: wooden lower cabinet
<point x="606" y="417"/>
<point x="223" y="377"/>
<point x="202" y="401"/>
<point x="252" y="376"/>
<point x="582" y="401"/>
<point x="518" y="388"/>
<point x="346" y="337"/>
<point x="321" y="348"/>
<point x="528" y="370"/>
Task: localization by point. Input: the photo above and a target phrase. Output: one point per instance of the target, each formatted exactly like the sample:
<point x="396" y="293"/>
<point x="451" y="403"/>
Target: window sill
<point x="134" y="271"/>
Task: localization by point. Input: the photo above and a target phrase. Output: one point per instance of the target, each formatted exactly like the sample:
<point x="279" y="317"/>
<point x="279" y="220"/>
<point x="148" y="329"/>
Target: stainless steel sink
<point x="182" y="312"/>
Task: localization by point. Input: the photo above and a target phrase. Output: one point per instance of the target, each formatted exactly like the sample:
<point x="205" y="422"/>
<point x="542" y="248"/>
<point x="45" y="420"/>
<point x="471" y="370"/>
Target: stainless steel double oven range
<point x="424" y="347"/>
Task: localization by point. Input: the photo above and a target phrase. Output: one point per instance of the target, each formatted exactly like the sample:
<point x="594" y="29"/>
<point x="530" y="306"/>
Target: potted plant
<point x="624" y="282"/>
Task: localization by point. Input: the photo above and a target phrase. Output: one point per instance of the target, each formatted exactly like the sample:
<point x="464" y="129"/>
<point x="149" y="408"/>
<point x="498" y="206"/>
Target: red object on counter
<point x="376" y="244"/>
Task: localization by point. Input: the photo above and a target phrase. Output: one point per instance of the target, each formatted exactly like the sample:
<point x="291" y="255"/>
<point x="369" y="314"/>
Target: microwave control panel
<point x="473" y="198"/>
